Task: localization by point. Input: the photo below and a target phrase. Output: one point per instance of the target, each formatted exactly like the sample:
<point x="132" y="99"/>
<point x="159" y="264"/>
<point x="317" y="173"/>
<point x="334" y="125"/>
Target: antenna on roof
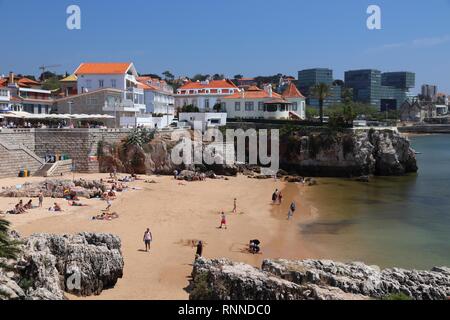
<point x="44" y="68"/>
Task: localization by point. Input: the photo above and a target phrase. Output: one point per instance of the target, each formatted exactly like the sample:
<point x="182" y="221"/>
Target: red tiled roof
<point x="103" y="68"/>
<point x="212" y="84"/>
<point x="292" y="92"/>
<point x="253" y="92"/>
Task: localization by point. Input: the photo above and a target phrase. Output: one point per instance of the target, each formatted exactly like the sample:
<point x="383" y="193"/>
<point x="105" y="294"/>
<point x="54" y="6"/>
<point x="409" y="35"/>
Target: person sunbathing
<point x="29" y="205"/>
<point x="57" y="207"/>
<point x="77" y="204"/>
<point x="106" y="216"/>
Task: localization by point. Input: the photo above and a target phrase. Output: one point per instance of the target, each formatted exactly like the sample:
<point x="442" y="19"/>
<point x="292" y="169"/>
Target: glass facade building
<point x="387" y="91"/>
<point x="310" y="77"/>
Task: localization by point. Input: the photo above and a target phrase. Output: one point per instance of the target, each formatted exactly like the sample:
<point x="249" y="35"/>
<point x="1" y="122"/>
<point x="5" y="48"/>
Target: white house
<point x="5" y="99"/>
<point x="205" y="120"/>
<point x="255" y="103"/>
<point x="159" y="100"/>
<point x="121" y="76"/>
<point x="204" y="95"/>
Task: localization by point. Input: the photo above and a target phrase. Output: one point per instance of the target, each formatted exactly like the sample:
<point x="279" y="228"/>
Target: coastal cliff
<point x="302" y="152"/>
<point x="313" y="280"/>
<point x="51" y="265"/>
<point x="347" y="154"/>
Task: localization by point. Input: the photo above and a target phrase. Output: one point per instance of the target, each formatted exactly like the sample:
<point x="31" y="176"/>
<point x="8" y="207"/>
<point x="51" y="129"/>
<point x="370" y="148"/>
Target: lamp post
<point x="70" y="111"/>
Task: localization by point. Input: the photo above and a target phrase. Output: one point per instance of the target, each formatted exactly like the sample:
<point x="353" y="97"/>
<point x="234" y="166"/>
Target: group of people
<point x="277" y="197"/>
<point x="21" y="208"/>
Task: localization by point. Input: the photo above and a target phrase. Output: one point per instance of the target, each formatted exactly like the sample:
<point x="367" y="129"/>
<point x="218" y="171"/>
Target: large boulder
<point x="50" y="265"/>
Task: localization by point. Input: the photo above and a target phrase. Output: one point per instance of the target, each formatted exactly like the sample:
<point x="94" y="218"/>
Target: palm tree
<point x="321" y="91"/>
<point x="8" y="248"/>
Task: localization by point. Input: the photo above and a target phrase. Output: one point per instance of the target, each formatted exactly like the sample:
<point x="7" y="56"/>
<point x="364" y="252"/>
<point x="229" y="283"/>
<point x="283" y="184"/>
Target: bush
<point x="397" y="297"/>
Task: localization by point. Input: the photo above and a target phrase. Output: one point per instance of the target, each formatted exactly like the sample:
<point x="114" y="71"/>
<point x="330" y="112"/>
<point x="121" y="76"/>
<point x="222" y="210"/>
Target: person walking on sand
<point x="223" y="221"/>
<point x="280" y="197"/>
<point x="275" y="196"/>
<point x="41" y="199"/>
<point x="199" y="251"/>
<point x="235" y="206"/>
<point x="147" y="239"/>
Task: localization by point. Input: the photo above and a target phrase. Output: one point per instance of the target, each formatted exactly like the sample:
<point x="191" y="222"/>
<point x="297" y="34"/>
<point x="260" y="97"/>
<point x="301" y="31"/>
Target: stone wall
<point x="62" y="167"/>
<point x="13" y="158"/>
<point x="25" y="137"/>
<point x="79" y="144"/>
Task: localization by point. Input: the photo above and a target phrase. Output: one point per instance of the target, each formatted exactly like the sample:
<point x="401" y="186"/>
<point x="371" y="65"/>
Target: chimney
<point x="11" y="77"/>
<point x="268" y="89"/>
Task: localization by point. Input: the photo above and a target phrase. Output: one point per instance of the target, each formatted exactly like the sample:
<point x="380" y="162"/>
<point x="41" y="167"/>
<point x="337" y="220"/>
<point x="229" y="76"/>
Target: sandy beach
<point x="177" y="214"/>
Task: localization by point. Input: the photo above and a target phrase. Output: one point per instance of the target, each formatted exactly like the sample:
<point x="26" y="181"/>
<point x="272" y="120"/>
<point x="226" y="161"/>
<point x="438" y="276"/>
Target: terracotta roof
<point x="292" y="92"/>
<point x="253" y="92"/>
<point x="3" y="82"/>
<point x="214" y="84"/>
<point x="103" y="68"/>
<point x="25" y="82"/>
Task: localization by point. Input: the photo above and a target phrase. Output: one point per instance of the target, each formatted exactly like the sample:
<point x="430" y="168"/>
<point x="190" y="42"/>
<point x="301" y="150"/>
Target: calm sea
<point x="397" y="221"/>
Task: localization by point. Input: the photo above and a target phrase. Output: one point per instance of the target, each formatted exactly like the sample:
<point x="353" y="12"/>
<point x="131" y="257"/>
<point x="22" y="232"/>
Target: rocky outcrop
<point x="347" y="154"/>
<point x="55" y="188"/>
<point x="313" y="280"/>
<point x="50" y="265"/>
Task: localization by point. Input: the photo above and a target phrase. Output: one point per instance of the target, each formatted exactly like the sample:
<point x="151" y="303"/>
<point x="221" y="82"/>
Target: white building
<point x="5" y="99"/>
<point x="255" y="103"/>
<point x="204" y="95"/>
<point x="205" y="120"/>
<point x="159" y="99"/>
<point x="121" y="76"/>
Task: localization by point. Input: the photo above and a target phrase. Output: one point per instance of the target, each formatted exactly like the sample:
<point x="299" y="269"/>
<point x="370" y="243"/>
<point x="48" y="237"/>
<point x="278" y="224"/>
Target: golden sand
<point x="177" y="214"/>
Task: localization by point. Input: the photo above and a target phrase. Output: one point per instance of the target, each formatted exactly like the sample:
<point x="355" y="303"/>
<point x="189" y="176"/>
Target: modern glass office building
<point x="310" y="77"/>
<point x="385" y="90"/>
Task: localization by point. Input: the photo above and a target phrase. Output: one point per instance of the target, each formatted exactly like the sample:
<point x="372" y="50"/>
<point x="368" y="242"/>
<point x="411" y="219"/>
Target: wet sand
<point x="176" y="215"/>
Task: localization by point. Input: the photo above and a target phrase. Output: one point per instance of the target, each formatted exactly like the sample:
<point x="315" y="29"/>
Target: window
<point x="101" y="83"/>
<point x="113" y="83"/>
<point x="261" y="106"/>
<point x="207" y="104"/>
<point x="294" y="106"/>
<point x="249" y="106"/>
<point x="237" y="106"/>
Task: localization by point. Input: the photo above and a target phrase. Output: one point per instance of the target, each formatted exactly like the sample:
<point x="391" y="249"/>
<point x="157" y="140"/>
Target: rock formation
<point x="347" y="154"/>
<point x="309" y="153"/>
<point x="50" y="265"/>
<point x="55" y="188"/>
<point x="313" y="280"/>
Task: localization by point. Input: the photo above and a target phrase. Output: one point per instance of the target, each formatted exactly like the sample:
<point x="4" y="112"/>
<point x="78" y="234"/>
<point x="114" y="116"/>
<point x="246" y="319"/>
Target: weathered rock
<point x="50" y="265"/>
<point x="313" y="280"/>
<point x="225" y="280"/>
<point x="357" y="278"/>
<point x="348" y="154"/>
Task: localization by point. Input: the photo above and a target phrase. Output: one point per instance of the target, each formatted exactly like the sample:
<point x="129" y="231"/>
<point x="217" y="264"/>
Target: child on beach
<point x="235" y="206"/>
<point x="223" y="221"/>
<point x="147" y="239"/>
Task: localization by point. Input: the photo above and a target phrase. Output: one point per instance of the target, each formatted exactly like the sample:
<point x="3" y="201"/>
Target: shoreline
<point x="164" y="272"/>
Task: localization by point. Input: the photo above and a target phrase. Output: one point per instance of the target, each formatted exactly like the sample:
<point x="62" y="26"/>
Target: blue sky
<point x="215" y="36"/>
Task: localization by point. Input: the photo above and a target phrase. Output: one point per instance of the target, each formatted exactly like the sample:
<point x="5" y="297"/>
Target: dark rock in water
<point x="50" y="265"/>
<point x="313" y="280"/>
<point x="294" y="179"/>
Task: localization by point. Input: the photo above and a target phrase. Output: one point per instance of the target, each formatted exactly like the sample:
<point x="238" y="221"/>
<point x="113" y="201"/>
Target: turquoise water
<point x="397" y="221"/>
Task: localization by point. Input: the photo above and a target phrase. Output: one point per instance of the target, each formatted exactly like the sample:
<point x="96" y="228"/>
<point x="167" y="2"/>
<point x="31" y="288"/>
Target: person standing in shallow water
<point x="41" y="199"/>
<point x="275" y="196"/>
<point x="147" y="239"/>
<point x="280" y="197"/>
<point x="235" y="206"/>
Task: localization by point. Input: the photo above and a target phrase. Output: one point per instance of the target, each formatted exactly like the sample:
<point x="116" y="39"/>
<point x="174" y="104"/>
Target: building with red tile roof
<point x="204" y="95"/>
<point x="256" y="103"/>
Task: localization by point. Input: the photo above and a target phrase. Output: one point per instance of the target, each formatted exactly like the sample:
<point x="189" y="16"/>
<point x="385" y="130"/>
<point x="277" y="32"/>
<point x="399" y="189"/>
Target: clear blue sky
<point x="250" y="37"/>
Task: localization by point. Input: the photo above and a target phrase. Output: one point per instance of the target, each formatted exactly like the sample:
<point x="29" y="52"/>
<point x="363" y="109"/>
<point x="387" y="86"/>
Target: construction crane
<point x="44" y="68"/>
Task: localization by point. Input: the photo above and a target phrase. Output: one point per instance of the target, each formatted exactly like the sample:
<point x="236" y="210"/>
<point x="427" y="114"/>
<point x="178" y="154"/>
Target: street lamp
<point x="70" y="111"/>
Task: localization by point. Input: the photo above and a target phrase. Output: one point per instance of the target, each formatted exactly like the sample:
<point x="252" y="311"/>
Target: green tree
<point x="9" y="248"/>
<point x="311" y="113"/>
<point x="218" y="76"/>
<point x="321" y="91"/>
<point x="190" y="109"/>
<point x="51" y="84"/>
<point x="200" y="77"/>
<point x="168" y="76"/>
<point x="238" y="76"/>
<point x="217" y="107"/>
